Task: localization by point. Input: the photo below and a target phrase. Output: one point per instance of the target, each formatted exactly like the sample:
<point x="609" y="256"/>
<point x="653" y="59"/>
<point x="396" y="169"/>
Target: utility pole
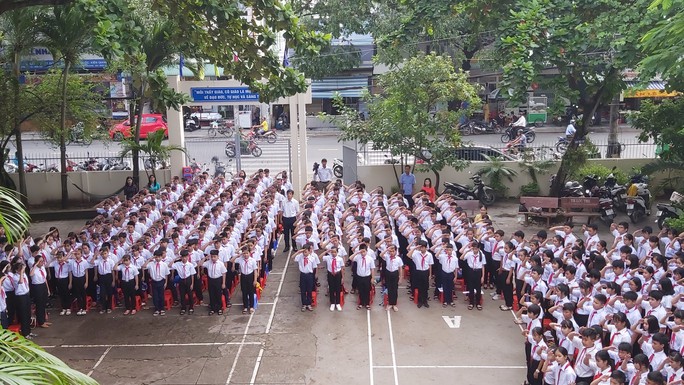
<point x="614" y="147"/>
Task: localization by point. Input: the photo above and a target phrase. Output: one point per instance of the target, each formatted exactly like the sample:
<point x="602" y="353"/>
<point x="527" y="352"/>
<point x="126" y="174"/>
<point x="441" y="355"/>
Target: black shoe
<point x="294" y="249"/>
<point x="426" y="304"/>
<point x="420" y="305"/>
<point x="286" y="249"/>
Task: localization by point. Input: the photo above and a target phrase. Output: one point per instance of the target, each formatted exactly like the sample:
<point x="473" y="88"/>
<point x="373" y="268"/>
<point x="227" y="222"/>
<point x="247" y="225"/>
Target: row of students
<point x="187" y="229"/>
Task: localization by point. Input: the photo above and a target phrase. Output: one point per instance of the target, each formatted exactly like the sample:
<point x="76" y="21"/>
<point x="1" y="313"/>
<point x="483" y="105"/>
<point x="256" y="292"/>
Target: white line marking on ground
<point x="370" y="349"/>
<point x="394" y="356"/>
<point x="99" y="361"/>
<point x="256" y="366"/>
<point x="277" y="295"/>
<point x="237" y="355"/>
<point x="450" y="367"/>
<point x="152" y="345"/>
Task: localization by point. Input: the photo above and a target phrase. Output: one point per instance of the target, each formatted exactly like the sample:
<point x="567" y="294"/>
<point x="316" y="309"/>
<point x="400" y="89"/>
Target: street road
<point x="320" y="145"/>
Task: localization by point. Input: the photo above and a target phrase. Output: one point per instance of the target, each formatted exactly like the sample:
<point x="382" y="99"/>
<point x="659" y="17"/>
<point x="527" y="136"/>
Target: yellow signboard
<point x="650" y="94"/>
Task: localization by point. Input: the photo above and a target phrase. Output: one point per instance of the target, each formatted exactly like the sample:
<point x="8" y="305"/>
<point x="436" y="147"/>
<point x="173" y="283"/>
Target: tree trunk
<point x="436" y="184"/>
<point x="136" y="134"/>
<point x="614" y="149"/>
<point x="17" y="128"/>
<point x="62" y="137"/>
<point x="564" y="169"/>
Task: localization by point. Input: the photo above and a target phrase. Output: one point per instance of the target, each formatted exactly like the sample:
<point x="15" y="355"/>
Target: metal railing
<point x="538" y="150"/>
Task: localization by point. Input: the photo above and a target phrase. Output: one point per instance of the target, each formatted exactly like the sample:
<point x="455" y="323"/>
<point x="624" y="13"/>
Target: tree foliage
<point x="153" y="147"/>
<point x="44" y="94"/>
<point x="410" y="115"/>
<point x="664" y="43"/>
<point x="589" y="43"/>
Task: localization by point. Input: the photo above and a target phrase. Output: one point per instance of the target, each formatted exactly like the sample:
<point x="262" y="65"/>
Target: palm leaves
<point x="24" y="363"/>
<point x="13" y="216"/>
<point x="153" y="147"/>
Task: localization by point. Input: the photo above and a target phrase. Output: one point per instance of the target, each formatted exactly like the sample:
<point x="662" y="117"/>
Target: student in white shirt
<point x="158" y="271"/>
<point x="476" y="272"/>
<point x="185" y="270"/>
<point x="216" y="272"/>
<point x="307" y="261"/>
<point x="129" y="283"/>
<point x="40" y="289"/>
<point x="335" y="268"/>
<point x="564" y="374"/>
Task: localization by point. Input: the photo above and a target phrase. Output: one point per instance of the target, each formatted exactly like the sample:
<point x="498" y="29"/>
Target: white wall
<point x="44" y="187"/>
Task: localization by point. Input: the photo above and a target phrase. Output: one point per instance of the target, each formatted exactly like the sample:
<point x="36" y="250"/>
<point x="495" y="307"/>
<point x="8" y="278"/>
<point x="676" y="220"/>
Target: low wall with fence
<point x="45" y="187"/>
<point x="382" y="175"/>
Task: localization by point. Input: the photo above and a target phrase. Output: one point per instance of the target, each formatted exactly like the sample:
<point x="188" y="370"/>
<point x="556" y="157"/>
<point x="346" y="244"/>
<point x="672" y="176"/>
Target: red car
<point x="150" y="123"/>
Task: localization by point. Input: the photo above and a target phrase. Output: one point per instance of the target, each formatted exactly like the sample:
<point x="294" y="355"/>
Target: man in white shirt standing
<point x="290" y="209"/>
<point x="324" y="175"/>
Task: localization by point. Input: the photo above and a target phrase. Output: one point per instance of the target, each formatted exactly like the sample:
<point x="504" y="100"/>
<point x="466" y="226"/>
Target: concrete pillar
<point x="303" y="161"/>
<point x="294" y="146"/>
<point x="174" y="119"/>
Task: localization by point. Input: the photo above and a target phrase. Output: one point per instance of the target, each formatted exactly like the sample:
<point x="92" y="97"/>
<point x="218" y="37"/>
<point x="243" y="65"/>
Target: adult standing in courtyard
<point x="325" y="175"/>
<point x="407" y="181"/>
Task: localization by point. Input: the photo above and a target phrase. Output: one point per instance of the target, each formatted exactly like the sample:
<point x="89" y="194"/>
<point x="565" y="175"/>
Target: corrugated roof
<point x="349" y="87"/>
<point x="652" y="85"/>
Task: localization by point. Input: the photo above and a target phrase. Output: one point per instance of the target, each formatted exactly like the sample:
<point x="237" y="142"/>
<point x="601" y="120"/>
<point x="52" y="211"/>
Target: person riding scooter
<point x="518" y="145"/>
<point x="262" y="128"/>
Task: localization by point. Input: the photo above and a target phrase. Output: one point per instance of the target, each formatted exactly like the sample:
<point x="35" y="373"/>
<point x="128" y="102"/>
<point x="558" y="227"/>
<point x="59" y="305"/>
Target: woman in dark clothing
<point x="130" y="188"/>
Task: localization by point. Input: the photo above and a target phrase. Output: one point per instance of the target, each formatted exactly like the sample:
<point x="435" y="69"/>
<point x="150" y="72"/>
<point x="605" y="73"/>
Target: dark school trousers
<point x="247" y="288"/>
<point x="448" y="286"/>
<point x="40" y="297"/>
<point x="215" y="293"/>
<point x="392" y="284"/>
<point x="364" y="286"/>
<point x="475" y="286"/>
<point x="288" y="231"/>
<point x="78" y="291"/>
<point x="334" y="287"/>
<point x="186" y="300"/>
<point x="306" y="286"/>
<point x="64" y="294"/>
<point x="106" y="289"/>
<point x="506" y="288"/>
<point x="198" y="289"/>
<point x="421" y="280"/>
<point x="22" y="309"/>
<point x="158" y="294"/>
<point x="128" y="288"/>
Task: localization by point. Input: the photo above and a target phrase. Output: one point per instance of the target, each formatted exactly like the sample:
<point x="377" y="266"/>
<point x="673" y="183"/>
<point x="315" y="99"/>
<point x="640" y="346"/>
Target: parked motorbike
<point x="606" y="208"/>
<point x="246" y="147"/>
<point x="154" y="163"/>
<point x="282" y="123"/>
<point x="77" y="135"/>
<point x="115" y="164"/>
<point x="479" y="191"/>
<point x="571" y="188"/>
<point x="564" y="142"/>
<point x="30" y="167"/>
<point x="638" y="199"/>
<point x="217" y="127"/>
<point x="338" y="167"/>
<point x="191" y="125"/>
<point x="220" y="168"/>
<point x="528" y="131"/>
<point x="668" y="210"/>
<point x="480" y="127"/>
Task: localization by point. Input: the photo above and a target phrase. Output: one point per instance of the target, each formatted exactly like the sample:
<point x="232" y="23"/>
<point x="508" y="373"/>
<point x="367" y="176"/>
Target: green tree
<point x="410" y="117"/>
<point x="664" y="43"/>
<point x="589" y="43"/>
<point x="62" y="31"/>
<point x="498" y="172"/>
<point x="152" y="147"/>
<point x="158" y="47"/>
<point x="20" y="33"/>
<point x="80" y="105"/>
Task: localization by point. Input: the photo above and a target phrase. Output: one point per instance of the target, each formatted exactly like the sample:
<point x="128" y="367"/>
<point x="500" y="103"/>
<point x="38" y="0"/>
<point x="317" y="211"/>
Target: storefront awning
<point x="654" y="89"/>
<point x="347" y="87"/>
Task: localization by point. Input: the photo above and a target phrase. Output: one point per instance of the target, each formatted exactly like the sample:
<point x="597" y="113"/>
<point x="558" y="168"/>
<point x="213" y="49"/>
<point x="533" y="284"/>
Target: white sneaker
<point x="338" y="307"/>
<point x="495" y="297"/>
<point x="68" y="312"/>
<point x="62" y="312"/>
<point x="332" y="307"/>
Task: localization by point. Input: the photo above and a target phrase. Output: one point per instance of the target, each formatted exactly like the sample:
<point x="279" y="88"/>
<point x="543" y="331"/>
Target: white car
<point x="206" y="116"/>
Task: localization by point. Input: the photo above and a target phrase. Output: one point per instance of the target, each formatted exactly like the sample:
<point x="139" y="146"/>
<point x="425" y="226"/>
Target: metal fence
<point x="538" y="150"/>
